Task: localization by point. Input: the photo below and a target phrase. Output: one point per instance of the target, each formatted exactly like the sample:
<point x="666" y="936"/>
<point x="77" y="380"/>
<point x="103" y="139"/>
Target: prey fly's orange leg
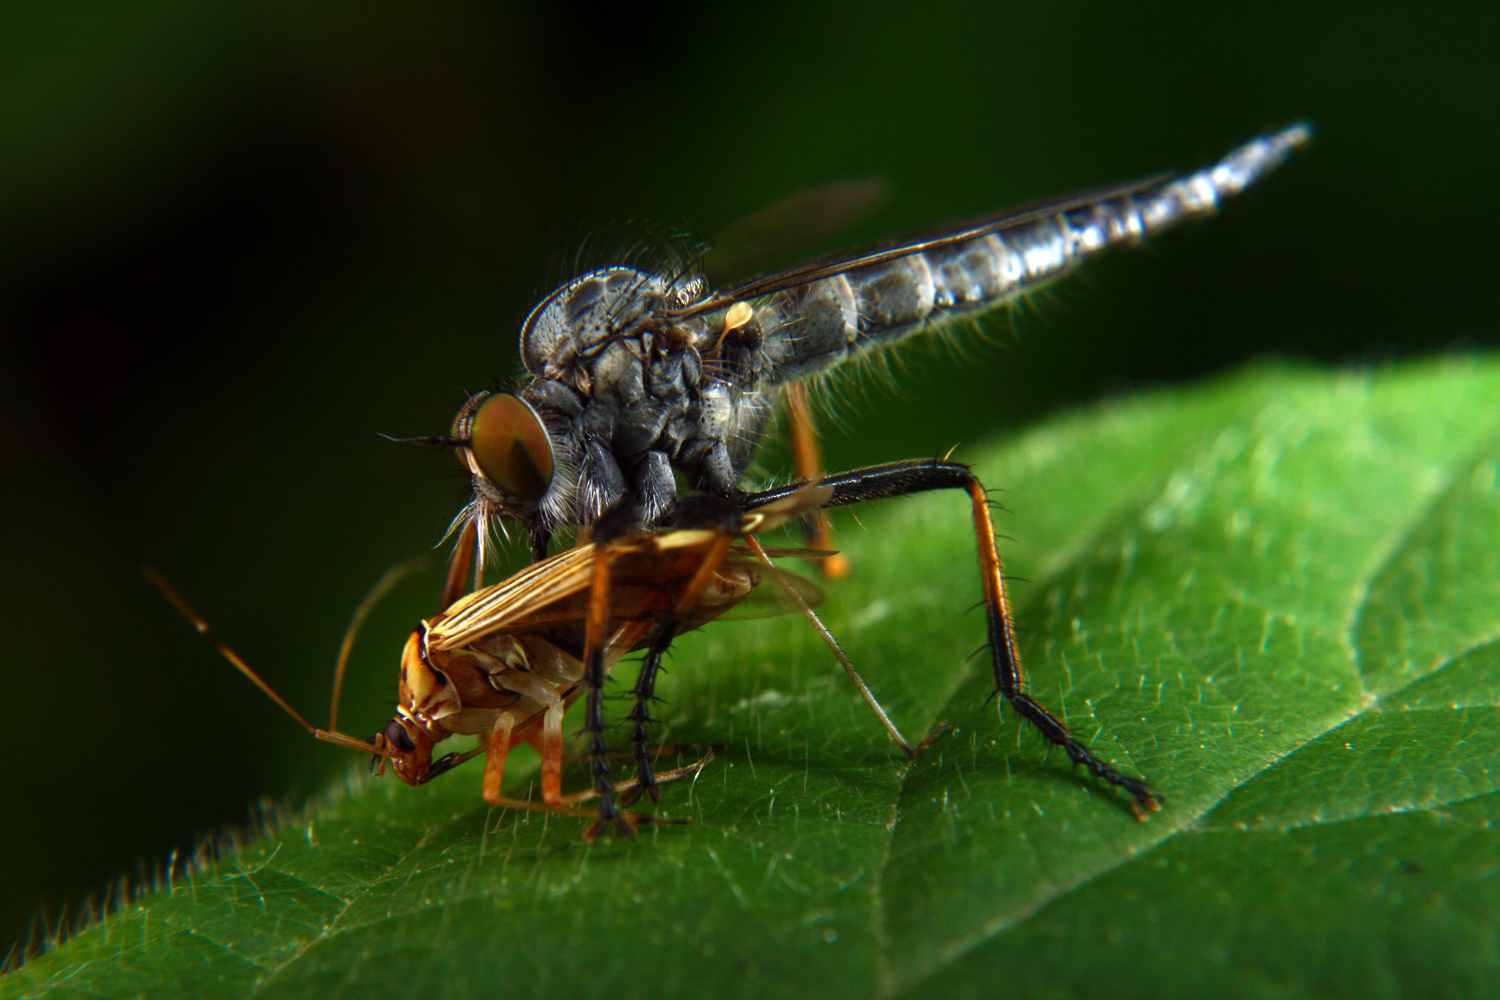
<point x="505" y="662"/>
<point x="430" y="679"/>
<point x="904" y="478"/>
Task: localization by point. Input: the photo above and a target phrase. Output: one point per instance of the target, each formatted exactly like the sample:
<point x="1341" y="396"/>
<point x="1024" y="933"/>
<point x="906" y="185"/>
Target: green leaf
<point x="1278" y="597"/>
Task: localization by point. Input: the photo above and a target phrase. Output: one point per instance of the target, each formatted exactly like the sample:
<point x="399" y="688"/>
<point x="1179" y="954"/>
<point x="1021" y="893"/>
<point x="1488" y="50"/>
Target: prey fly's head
<point x="427" y="697"/>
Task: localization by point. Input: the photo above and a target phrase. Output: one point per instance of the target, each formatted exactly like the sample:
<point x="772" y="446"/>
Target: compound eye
<point x="397" y="736"/>
<point x="510" y="445"/>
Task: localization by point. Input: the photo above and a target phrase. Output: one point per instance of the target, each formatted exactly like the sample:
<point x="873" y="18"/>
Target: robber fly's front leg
<point x="904" y="478"/>
<point x="460" y="566"/>
<point x="466" y="565"/>
<point x="595" y="672"/>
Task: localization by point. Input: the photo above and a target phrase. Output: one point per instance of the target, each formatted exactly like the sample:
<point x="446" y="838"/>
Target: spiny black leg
<point x="716" y="513"/>
<point x="1144" y="800"/>
<point x="595" y="726"/>
<point x="920" y="476"/>
<point x="594" y="677"/>
<point x="540" y="539"/>
<point x="644" y="691"/>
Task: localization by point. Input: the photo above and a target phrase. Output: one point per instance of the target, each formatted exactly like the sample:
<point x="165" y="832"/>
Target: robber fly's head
<point x="522" y="447"/>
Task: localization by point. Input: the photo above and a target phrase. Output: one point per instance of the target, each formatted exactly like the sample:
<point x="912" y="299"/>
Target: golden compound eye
<point x="510" y="445"/>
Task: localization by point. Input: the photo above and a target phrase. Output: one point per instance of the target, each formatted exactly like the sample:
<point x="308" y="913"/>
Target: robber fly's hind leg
<point x="903" y="478"/>
<point x="1010" y="679"/>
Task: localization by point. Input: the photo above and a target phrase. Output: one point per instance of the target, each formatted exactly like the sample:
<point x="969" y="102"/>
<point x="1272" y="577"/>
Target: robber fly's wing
<point x="794" y="223"/>
<point x="522" y="599"/>
<point x="799" y="552"/>
<point x="768" y="599"/>
<point x="950" y="234"/>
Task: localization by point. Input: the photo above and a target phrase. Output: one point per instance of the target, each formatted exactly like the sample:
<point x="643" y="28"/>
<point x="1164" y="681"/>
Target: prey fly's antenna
<point x="377" y="593"/>
<point x="204" y="629"/>
<point x="838" y="650"/>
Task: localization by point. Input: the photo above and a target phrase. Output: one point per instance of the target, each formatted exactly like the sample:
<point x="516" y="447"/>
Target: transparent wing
<point x="767" y="600"/>
<point x="948" y="234"/>
<point x="795" y="223"/>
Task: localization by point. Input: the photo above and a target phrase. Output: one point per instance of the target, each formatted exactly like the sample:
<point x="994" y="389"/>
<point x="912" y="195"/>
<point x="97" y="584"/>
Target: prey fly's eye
<point x="397" y="736"/>
<point x="509" y="444"/>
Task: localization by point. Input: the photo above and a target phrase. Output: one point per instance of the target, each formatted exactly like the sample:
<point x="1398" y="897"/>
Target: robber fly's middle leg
<point x="662" y="633"/>
<point x="807" y="459"/>
<point x="904" y="478"/>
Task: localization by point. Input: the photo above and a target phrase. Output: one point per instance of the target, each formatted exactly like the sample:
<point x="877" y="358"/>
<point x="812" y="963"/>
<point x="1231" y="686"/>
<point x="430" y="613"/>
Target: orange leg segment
<point x="807" y="459"/>
<point x="906" y="478"/>
<point x="463" y="559"/>
<point x="494" y="763"/>
<point x="552" y="754"/>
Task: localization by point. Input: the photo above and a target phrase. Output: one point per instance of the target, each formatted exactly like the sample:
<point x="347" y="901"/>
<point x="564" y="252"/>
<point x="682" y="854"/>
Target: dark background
<point x="236" y="241"/>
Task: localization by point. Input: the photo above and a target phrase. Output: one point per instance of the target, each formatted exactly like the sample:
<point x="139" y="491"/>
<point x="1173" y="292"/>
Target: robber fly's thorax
<point x="571" y="333"/>
<point x="605" y="358"/>
<point x="611" y="361"/>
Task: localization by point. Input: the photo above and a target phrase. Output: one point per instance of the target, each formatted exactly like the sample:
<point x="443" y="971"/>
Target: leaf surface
<point x="1277" y="596"/>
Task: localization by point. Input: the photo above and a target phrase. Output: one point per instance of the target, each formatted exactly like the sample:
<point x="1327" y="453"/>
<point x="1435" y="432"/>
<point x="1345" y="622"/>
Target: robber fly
<point x="634" y="377"/>
<point x="505" y="662"/>
<point x="638" y="378"/>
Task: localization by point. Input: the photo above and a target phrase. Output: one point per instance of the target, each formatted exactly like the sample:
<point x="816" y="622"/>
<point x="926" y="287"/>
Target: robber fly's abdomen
<point x="812" y="327"/>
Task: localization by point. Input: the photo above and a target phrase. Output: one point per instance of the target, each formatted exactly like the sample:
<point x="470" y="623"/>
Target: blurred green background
<point x="238" y="240"/>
